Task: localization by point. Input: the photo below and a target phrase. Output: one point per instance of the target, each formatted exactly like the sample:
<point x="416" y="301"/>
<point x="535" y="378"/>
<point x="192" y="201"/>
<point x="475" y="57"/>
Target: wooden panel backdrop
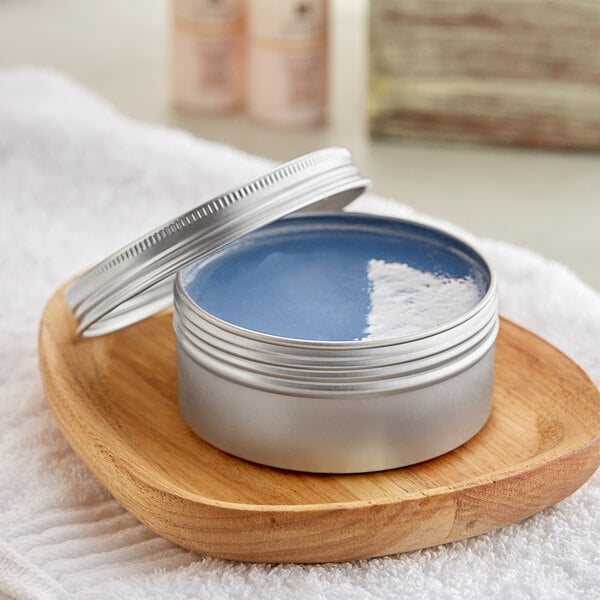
<point x="501" y="71"/>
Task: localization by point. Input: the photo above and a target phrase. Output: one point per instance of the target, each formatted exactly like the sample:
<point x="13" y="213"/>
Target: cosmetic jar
<point x="326" y="342"/>
<point x="286" y="60"/>
<point x="207" y="55"/>
<point x="337" y="343"/>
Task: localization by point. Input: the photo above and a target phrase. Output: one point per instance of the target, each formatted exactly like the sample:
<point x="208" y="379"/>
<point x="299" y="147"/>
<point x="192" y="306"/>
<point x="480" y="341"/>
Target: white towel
<point x="77" y="180"/>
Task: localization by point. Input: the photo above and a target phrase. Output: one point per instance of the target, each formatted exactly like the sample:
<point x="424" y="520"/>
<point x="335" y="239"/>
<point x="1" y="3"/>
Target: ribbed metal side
<point x="310" y="367"/>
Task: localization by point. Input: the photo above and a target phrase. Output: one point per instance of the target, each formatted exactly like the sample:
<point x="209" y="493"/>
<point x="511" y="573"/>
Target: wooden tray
<point x="115" y="400"/>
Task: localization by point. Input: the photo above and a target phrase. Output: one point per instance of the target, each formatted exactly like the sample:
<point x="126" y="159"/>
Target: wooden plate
<point x="115" y="400"/>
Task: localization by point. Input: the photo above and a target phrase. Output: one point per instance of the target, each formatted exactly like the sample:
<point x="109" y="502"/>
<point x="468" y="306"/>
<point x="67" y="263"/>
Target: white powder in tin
<point x="405" y="300"/>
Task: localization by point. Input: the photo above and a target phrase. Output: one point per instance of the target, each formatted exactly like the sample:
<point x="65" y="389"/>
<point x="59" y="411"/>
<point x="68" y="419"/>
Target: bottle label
<point x="207" y="54"/>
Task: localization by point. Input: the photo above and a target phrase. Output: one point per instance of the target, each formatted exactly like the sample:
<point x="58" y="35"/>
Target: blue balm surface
<point x="339" y="277"/>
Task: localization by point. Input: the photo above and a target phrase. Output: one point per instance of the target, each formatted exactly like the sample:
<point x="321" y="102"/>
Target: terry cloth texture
<point x="78" y="180"/>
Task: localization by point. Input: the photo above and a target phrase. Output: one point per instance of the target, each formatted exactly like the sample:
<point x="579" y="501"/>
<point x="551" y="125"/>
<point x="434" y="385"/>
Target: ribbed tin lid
<point x="137" y="280"/>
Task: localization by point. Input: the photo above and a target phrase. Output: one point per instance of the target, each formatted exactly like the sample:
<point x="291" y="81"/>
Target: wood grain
<point x="502" y="71"/>
<point x="115" y="400"/>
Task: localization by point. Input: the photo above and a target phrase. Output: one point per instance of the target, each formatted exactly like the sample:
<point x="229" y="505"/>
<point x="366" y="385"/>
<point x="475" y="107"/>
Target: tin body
<point x="274" y="391"/>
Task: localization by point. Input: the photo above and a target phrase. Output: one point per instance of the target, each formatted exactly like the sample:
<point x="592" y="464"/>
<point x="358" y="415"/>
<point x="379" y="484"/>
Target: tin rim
<point x="196" y="314"/>
<point x="398" y="366"/>
<point x="342" y="354"/>
<point x="335" y="387"/>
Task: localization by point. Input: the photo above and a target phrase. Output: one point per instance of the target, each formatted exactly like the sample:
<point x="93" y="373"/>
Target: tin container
<point x="322" y="342"/>
<point x="323" y="398"/>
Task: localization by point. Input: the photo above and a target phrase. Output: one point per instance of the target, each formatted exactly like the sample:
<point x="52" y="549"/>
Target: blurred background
<point x="485" y="113"/>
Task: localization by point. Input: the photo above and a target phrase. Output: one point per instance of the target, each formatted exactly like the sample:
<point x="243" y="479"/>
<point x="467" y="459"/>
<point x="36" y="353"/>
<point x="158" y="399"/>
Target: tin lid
<point x="137" y="281"/>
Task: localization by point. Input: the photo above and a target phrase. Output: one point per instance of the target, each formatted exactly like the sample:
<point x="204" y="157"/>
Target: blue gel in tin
<point x="339" y="277"/>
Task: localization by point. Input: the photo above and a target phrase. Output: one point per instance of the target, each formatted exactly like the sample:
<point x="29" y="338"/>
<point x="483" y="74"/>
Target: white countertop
<point x="547" y="201"/>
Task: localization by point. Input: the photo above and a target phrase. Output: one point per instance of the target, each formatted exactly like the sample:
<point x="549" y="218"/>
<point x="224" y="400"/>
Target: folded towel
<point x="78" y="180"/>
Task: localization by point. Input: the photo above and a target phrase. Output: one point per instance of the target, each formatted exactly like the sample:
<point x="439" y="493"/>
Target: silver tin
<point x="331" y="406"/>
<point x="320" y="406"/>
